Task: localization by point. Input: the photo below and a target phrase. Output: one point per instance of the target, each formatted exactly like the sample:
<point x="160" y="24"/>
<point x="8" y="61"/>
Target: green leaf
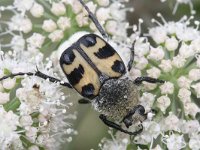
<point x="12" y="105"/>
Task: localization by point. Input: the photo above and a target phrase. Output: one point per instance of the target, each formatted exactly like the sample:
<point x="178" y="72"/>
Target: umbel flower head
<point x="173" y="56"/>
<point x="34" y="113"/>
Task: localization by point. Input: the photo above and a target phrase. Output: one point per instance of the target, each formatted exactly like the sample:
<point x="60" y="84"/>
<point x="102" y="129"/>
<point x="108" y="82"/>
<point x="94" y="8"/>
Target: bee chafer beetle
<point x="97" y="72"/>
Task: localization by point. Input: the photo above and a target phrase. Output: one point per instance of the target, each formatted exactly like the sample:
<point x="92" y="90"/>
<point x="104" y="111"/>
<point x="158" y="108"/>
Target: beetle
<point x="97" y="72"/>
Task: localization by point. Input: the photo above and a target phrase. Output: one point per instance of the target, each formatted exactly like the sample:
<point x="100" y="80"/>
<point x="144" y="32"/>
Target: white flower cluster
<point x="36" y="116"/>
<point x="33" y="111"/>
<point x="173" y="56"/>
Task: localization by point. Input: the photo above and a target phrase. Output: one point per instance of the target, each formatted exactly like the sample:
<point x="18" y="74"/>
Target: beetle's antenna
<point x="38" y="74"/>
<point x="94" y="20"/>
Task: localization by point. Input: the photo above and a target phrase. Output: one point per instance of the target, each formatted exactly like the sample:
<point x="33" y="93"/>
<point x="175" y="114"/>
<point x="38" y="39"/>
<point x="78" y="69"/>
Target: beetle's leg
<point x="118" y="127"/>
<point x="139" y="80"/>
<point x="38" y="74"/>
<point x="83" y="101"/>
<point x="94" y="20"/>
<point x="139" y="109"/>
<point x="130" y="63"/>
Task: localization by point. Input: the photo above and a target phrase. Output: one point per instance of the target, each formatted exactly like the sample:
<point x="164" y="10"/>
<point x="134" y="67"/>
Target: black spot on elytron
<point x="88" y="40"/>
<point x="105" y="52"/>
<point x="88" y="91"/>
<point x="119" y="66"/>
<point x="67" y="57"/>
<point x="76" y="75"/>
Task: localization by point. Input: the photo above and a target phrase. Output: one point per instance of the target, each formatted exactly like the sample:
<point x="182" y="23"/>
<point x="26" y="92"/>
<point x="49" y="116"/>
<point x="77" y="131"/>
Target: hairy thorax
<point x="116" y="98"/>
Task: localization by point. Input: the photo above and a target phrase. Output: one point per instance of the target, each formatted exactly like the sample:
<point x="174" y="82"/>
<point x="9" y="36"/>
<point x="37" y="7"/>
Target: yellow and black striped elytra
<point x="89" y="62"/>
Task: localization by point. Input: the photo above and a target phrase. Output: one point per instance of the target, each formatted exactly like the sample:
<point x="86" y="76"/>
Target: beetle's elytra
<point x="89" y="62"/>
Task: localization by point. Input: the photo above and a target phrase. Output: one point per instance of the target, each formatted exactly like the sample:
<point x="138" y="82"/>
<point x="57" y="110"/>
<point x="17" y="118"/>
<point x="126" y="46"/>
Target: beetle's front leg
<point x="118" y="127"/>
<point x="139" y="80"/>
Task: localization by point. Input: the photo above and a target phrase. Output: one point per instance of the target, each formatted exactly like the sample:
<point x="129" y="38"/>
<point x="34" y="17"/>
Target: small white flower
<point x="18" y="43"/>
<point x="194" y="142"/>
<point x="64" y="23"/>
<point x="103" y="2"/>
<point x="58" y="9"/>
<point x="76" y="6"/>
<point x="158" y="34"/>
<point x="31" y="133"/>
<point x="147" y="100"/>
<point x="171" y="44"/>
<point x="134" y="73"/>
<point x="186" y="50"/>
<point x="166" y="65"/>
<point x="37" y="10"/>
<point x="82" y="20"/>
<point x="56" y="35"/>
<point x="174" y="141"/>
<point x="195" y="45"/>
<point x="184" y="94"/>
<point x="156" y="53"/>
<point x="20" y="23"/>
<point x="26" y="120"/>
<point x="154" y="72"/>
<point x="103" y="14"/>
<point x="151" y="131"/>
<point x="178" y="61"/>
<point x="30" y="97"/>
<point x="4" y="98"/>
<point x="184" y="82"/>
<point x="9" y="83"/>
<point x="141" y="47"/>
<point x="49" y="25"/>
<point x="171" y="122"/>
<point x="163" y="102"/>
<point x="23" y="5"/>
<point x="190" y="127"/>
<point x="8" y="124"/>
<point x="197" y="89"/>
<point x="141" y="62"/>
<point x="194" y="74"/>
<point x="111" y="26"/>
<point x="36" y="40"/>
<point x="167" y="88"/>
<point x="191" y="108"/>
